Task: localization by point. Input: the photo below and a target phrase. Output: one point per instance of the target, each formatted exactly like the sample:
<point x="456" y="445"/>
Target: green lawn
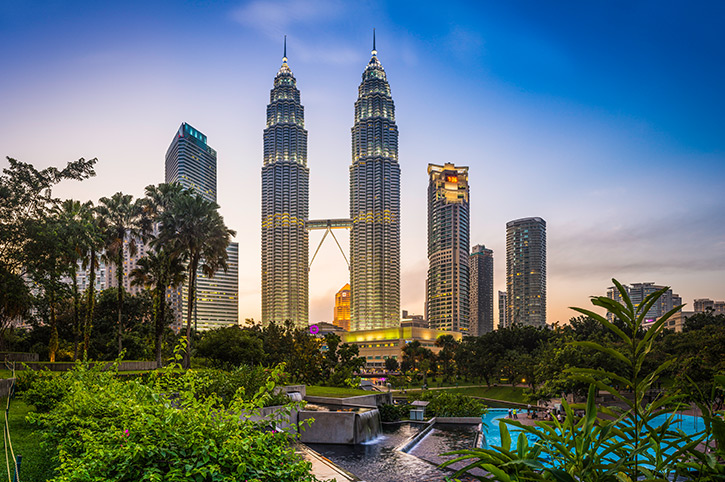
<point x="509" y="394"/>
<point x="36" y="460"/>
<point x="335" y="392"/>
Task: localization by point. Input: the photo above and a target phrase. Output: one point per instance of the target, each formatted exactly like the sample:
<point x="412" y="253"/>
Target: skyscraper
<point x="374" y="205"/>
<point x="502" y="304"/>
<point x="193" y="164"/>
<point x="285" y="205"/>
<point x="481" y="292"/>
<point x="526" y="271"/>
<point x="447" y="304"/>
<point x="341" y="315"/>
<point x="637" y="292"/>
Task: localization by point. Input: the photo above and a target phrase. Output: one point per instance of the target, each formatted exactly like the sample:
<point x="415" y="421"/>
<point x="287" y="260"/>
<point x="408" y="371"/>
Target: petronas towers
<point x="374" y="205"/>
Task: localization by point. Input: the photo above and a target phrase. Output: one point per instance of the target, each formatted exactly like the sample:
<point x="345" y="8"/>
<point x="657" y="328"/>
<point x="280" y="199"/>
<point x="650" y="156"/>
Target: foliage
<point x="192" y="229"/>
<point x="230" y="347"/>
<point x="393" y="413"/>
<point x="446" y="404"/>
<point x="625" y="444"/>
<point x="125" y="430"/>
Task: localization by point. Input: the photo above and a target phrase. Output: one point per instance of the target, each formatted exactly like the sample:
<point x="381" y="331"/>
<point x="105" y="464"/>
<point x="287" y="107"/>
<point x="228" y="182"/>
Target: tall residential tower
<point x="447" y="287"/>
<point x="481" y="293"/>
<point x="374" y="205"/>
<point x="285" y="205"/>
<point x="526" y="271"/>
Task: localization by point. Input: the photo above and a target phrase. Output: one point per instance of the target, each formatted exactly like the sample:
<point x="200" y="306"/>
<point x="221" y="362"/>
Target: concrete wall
<point x="372" y="400"/>
<point x="471" y="420"/>
<point x="18" y="356"/>
<point x="65" y="366"/>
<point x="328" y="427"/>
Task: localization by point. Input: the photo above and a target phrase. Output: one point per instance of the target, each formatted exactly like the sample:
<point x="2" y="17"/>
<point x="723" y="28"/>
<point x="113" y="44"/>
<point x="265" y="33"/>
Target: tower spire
<point x="284" y="58"/>
<point x="375" y="51"/>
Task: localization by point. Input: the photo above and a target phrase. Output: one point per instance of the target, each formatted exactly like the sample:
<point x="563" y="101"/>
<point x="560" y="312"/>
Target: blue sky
<point x="604" y="118"/>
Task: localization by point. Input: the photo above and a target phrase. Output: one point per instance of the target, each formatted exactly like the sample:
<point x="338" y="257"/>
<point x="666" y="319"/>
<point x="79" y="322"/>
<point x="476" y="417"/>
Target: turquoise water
<point x="492" y="436"/>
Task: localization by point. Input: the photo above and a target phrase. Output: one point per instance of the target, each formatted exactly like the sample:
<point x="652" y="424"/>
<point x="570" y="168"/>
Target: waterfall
<point x="295" y="396"/>
<point x="367" y="425"/>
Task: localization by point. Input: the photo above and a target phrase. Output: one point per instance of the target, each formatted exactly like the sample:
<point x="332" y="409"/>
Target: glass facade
<point x="285" y="206"/>
<point x="526" y="272"/>
<point x="374" y="205"/>
<point x="480" y="265"/>
<point x="447" y="289"/>
<point x="193" y="164"/>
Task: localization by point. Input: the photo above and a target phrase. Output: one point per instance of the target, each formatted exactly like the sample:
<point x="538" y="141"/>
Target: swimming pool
<point x="691" y="425"/>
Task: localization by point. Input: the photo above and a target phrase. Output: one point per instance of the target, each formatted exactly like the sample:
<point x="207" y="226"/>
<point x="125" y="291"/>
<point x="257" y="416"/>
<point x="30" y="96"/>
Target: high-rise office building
<point x="704" y="305"/>
<point x="481" y="292"/>
<point x="193" y="164"/>
<point x="526" y="271"/>
<point x="637" y="292"/>
<point x="502" y="309"/>
<point x="447" y="303"/>
<point x="285" y="205"/>
<point x="341" y="315"/>
<point x="374" y="205"/>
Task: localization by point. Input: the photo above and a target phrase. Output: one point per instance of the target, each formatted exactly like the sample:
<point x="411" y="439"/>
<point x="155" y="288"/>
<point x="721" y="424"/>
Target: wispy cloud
<point x="276" y="18"/>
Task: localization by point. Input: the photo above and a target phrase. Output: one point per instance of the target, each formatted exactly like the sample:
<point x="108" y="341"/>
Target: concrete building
<point x="191" y="162"/>
<point x="378" y="345"/>
<point x="703" y="305"/>
<point x="374" y="205"/>
<point x="285" y="205"/>
<point x="480" y="265"/>
<point x="341" y="312"/>
<point x="447" y="286"/>
<point x="637" y="292"/>
<point x="502" y="309"/>
<point x="526" y="272"/>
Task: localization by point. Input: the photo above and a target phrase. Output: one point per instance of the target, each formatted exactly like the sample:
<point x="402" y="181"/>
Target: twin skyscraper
<point x="374" y="205"/>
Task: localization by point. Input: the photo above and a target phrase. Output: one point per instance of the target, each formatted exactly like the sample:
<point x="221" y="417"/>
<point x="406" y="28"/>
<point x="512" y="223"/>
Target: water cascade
<point x="295" y="396"/>
<point x="367" y="425"/>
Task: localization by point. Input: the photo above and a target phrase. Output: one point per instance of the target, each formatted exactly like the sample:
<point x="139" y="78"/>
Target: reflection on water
<point x="378" y="461"/>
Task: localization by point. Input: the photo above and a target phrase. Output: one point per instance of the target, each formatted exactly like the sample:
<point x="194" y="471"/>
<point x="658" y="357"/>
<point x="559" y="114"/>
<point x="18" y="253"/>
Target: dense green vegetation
<point x="166" y="425"/>
<point x="626" y="441"/>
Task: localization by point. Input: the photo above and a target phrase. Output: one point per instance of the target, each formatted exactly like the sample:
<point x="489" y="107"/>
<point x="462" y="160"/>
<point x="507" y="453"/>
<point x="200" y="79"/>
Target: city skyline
<point x="588" y="101"/>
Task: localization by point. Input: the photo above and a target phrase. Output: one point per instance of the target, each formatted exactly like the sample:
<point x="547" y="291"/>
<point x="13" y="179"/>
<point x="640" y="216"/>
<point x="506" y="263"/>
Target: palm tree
<point x="93" y="242"/>
<point x="69" y="213"/>
<point x="121" y="219"/>
<point x="158" y="271"/>
<point x="194" y="230"/>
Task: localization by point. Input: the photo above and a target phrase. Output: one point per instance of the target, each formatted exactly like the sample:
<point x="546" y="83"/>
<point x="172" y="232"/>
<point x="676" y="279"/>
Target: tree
<point x="446" y="357"/>
<point x="158" y="271"/>
<point x="391" y="365"/>
<point x="25" y="198"/>
<point x="121" y="221"/>
<point x="92" y="244"/>
<point x="231" y="346"/>
<point x="194" y="230"/>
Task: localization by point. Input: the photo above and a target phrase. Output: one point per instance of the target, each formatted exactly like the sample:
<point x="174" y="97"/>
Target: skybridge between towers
<point x="328" y="225"/>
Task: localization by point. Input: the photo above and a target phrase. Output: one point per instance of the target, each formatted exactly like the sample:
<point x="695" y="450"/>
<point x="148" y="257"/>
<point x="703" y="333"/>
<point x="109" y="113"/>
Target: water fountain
<point x="331" y="425"/>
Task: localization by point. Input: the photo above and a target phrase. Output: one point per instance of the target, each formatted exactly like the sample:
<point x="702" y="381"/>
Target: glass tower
<point x="285" y="205"/>
<point x="193" y="164"/>
<point x="481" y="294"/>
<point x="374" y="205"/>
<point x="447" y="288"/>
<point x="526" y="272"/>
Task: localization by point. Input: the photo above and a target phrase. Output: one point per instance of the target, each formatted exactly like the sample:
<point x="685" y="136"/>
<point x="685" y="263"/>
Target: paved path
<point x="323" y="468"/>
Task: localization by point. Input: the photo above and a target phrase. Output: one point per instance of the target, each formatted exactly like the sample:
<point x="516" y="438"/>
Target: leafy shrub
<point x="44" y="390"/>
<point x="393" y="413"/>
<point x="446" y="404"/>
<point x="128" y="430"/>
